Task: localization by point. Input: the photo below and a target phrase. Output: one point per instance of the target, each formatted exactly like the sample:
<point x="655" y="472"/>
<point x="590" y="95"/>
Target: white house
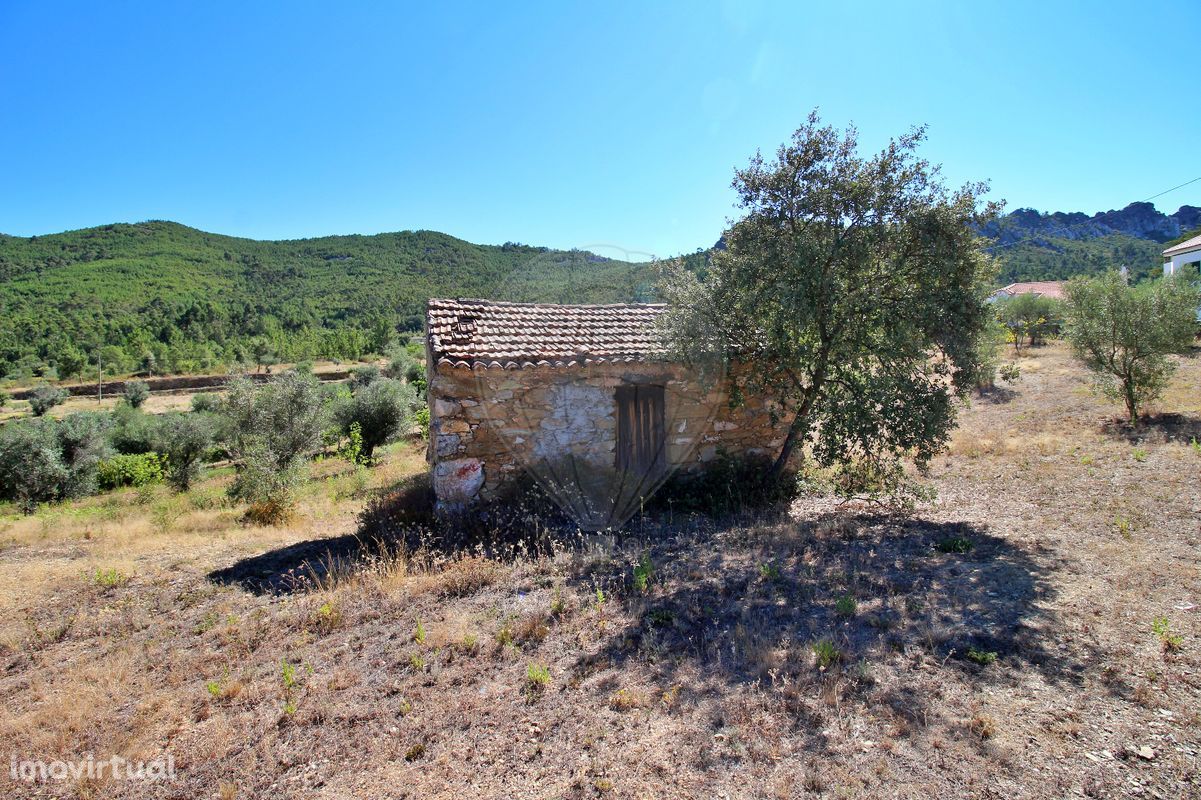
<point x="1187" y="252"/>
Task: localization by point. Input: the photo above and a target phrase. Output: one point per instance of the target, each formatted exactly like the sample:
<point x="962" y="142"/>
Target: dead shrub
<point x="628" y="700"/>
<point x="268" y="512"/>
<point x="466" y="576"/>
<point x="531" y="628"/>
<point x="982" y="726"/>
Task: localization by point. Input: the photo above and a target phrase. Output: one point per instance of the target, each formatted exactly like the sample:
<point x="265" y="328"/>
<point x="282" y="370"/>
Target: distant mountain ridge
<point x="1140" y="220"/>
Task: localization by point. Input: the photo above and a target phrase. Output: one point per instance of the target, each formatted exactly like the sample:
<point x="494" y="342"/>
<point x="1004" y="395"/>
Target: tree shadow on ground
<point x="1156" y="427"/>
<point x="400" y="520"/>
<point x="830" y="601"/>
<point x="997" y="395"/>
<point x="304" y="565"/>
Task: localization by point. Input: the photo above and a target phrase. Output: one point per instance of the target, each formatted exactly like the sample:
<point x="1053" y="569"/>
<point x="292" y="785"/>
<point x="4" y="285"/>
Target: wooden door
<point x="641" y="434"/>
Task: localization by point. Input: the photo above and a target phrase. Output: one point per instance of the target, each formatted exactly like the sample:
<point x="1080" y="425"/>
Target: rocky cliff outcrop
<point x="1140" y="220"/>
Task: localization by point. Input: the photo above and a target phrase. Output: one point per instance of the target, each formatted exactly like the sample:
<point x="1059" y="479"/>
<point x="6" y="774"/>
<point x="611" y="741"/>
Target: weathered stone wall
<point x="487" y="424"/>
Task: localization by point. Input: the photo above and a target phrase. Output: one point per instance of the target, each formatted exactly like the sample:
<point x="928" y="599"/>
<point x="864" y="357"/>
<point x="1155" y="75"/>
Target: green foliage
<point x="841" y="279"/>
<point x="1029" y="318"/>
<point x="364" y="376"/>
<point x="981" y="657"/>
<point x="273" y="430"/>
<point x="382" y="409"/>
<point x="954" y="544"/>
<point x="185" y="440"/>
<point x="408" y="364"/>
<point x="537" y="678"/>
<point x="1124" y="334"/>
<point x="422" y="417"/>
<point x="992" y="339"/>
<point x="644" y="573"/>
<point x="1010" y="373"/>
<point x="4" y="398"/>
<point x="136" y="393"/>
<point x="142" y="469"/>
<point x="846" y="606"/>
<point x="162" y="296"/>
<point x="109" y="578"/>
<point x="1162" y="628"/>
<point x="46" y="460"/>
<point x="826" y="654"/>
<point x="877" y="480"/>
<point x="206" y="402"/>
<point x="1058" y="258"/>
<point x="352" y="450"/>
<point x="132" y="431"/>
<point x="46" y="397"/>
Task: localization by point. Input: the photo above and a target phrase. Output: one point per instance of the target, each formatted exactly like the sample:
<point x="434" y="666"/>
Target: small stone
<point x="1145" y="752"/>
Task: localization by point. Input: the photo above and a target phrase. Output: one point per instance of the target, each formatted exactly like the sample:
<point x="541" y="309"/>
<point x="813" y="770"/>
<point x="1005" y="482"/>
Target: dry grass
<point x="997" y="643"/>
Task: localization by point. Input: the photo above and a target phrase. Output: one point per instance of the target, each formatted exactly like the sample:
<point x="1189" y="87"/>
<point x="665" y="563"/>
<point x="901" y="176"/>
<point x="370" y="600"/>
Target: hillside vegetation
<point x="163" y="297"/>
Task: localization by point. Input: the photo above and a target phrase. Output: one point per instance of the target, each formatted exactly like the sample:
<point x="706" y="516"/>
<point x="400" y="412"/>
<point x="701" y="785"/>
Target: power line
<point x="1089" y="221"/>
<point x="1174" y="188"/>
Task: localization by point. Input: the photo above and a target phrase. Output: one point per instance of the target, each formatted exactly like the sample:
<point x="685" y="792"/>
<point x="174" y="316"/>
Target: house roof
<point x="490" y="334"/>
<point x="1184" y="247"/>
<point x="1042" y="288"/>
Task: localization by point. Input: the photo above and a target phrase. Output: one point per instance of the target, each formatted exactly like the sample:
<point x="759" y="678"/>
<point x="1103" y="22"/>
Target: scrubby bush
<point x="83" y="442"/>
<point x="206" y="402"/>
<point x="46" y="397"/>
<point x="381" y="409"/>
<point x="4" y="398"/>
<point x="143" y="469"/>
<point x="132" y="432"/>
<point x="185" y="440"/>
<point x="422" y="417"/>
<point x="31" y="465"/>
<point x="273" y="429"/>
<point x="136" y="393"/>
<point x="407" y="364"/>
<point x="992" y="340"/>
<point x="364" y="376"/>
<point x="45" y="460"/>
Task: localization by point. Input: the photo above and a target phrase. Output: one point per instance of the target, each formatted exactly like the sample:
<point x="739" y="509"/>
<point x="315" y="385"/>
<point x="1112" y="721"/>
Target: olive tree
<point x="46" y="397"/>
<point x="136" y="393"/>
<point x="1028" y="317"/>
<point x="273" y="429"/>
<point x="852" y="290"/>
<point x="381" y="410"/>
<point x="185" y="439"/>
<point x="45" y="460"/>
<point x="1124" y="334"/>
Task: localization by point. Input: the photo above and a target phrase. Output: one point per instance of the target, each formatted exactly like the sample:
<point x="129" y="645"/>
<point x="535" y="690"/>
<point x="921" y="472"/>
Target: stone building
<point x="581" y="397"/>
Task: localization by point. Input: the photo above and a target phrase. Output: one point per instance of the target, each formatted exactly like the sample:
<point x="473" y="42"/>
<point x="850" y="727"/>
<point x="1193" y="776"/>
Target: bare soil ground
<point x="1001" y="642"/>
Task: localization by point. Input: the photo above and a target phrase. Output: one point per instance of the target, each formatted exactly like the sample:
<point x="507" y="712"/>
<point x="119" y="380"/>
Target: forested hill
<point x="1032" y="245"/>
<point x="163" y="296"/>
<point x="180" y="299"/>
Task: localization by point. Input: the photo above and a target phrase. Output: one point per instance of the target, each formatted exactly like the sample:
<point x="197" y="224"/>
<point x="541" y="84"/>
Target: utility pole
<point x="100" y="386"/>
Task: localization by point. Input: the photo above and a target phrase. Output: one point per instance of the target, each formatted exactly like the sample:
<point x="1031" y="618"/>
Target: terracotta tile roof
<point x="489" y="334"/>
<point x="1044" y="288"/>
<point x="1184" y="247"/>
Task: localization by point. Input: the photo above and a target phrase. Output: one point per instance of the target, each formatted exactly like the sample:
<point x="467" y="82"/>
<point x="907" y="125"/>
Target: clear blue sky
<point x="562" y="125"/>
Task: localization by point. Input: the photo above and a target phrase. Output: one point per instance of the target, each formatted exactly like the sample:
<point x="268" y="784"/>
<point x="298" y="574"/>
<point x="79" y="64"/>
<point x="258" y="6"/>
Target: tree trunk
<point x="777" y="468"/>
<point x="1131" y="399"/>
